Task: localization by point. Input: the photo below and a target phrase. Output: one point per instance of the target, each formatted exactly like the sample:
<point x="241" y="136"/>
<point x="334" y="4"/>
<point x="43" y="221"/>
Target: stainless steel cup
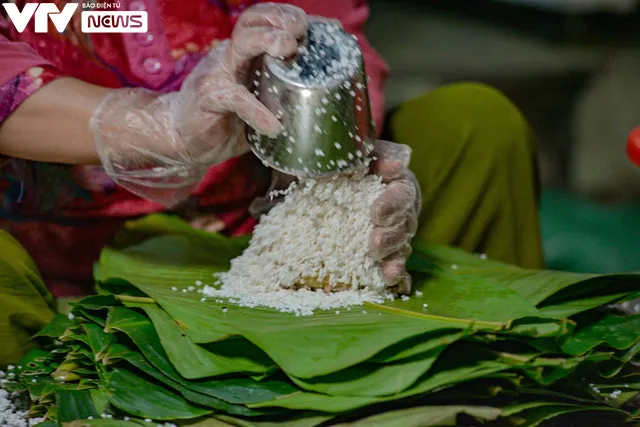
<point x="327" y="121"/>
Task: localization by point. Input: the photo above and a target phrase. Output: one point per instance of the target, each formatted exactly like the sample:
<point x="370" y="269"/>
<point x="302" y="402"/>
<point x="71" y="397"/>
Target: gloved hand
<point x="395" y="212"/>
<point x="159" y="146"/>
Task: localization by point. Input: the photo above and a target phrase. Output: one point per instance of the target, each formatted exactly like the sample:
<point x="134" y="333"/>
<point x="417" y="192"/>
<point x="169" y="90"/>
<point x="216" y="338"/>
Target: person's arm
<point x="43" y="116"/>
<point x="353" y="15"/>
<point x="52" y="124"/>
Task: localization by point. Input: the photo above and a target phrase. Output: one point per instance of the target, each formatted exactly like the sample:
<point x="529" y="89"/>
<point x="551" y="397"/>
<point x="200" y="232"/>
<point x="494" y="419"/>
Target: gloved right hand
<point x="159" y="146"/>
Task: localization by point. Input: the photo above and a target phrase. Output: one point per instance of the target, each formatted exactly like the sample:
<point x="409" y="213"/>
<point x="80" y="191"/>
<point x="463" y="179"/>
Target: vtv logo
<point x="92" y="21"/>
<point x="42" y="11"/>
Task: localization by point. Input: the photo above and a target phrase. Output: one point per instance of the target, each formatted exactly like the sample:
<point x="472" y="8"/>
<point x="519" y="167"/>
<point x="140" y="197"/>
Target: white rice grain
<point x="321" y="231"/>
<point x="11" y="415"/>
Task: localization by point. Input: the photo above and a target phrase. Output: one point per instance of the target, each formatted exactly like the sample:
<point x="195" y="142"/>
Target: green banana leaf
<point x="535" y="287"/>
<point x="538" y="415"/>
<point x="619" y="332"/>
<point x="96" y="302"/>
<point x="426" y="416"/>
<point x="417" y="345"/>
<point x="137" y="361"/>
<point x="121" y="352"/>
<point x="368" y="380"/>
<point x="157" y="225"/>
<point x="105" y="423"/>
<point x="512" y="345"/>
<point x="539" y="288"/>
<point x="456" y="295"/>
<point x="619" y="362"/>
<point x="458" y="364"/>
<point x="141" y="331"/>
<point x="193" y="361"/>
<point x="337" y="341"/>
<point x="491" y="292"/>
<point x="75" y="405"/>
<point x="56" y="328"/>
<point x="571" y="308"/>
<point x="140" y="397"/>
<point x="288" y="421"/>
<point x="98" y="341"/>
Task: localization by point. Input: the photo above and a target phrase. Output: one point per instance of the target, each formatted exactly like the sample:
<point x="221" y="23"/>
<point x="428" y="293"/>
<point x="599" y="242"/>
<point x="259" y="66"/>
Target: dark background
<point x="576" y="76"/>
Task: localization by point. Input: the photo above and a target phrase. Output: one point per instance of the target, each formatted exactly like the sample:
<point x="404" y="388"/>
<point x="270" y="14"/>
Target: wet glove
<point x="395" y="213"/>
<point x="160" y="146"/>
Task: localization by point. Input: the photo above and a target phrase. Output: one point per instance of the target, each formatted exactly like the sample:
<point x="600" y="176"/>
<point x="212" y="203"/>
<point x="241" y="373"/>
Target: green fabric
<point x="475" y="160"/>
<point x="25" y="303"/>
<point x="473" y="157"/>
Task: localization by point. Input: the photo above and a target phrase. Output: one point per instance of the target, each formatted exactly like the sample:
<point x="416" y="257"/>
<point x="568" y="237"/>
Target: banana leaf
<point x="458" y="364"/>
<point x="571" y="308"/>
<point x="613" y="367"/>
<point x="337" y="341"/>
<point x="104" y="423"/>
<point x="479" y="293"/>
<point x="75" y="405"/>
<point x="97" y="339"/>
<point x="238" y="391"/>
<point x="193" y="361"/>
<point x="539" y="328"/>
<point x="490" y="335"/>
<point x="426" y="416"/>
<point x="544" y="412"/>
<point x="417" y="345"/>
<point x="90" y="316"/>
<point x="619" y="332"/>
<point x="137" y="361"/>
<point x="96" y="302"/>
<point x="56" y="328"/>
<point x="37" y="362"/>
<point x="158" y="225"/>
<point x="373" y="380"/>
<point x="311" y="420"/>
<point x="140" y="397"/>
<point x="539" y="288"/>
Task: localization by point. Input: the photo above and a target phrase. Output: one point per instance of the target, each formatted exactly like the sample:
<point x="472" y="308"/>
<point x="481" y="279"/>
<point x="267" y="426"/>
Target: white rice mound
<point x="320" y="233"/>
<point x="11" y="415"/>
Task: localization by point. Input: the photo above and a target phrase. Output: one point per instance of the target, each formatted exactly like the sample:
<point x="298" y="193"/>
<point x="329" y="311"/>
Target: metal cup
<point x="327" y="122"/>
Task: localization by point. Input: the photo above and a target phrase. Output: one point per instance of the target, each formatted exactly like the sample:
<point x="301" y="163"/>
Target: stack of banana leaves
<point x="478" y="343"/>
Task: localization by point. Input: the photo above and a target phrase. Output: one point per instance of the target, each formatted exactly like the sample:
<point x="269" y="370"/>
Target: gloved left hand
<point x="395" y="213"/>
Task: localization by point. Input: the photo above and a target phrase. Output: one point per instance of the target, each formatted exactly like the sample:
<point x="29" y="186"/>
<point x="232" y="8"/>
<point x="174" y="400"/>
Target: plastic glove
<point x="395" y="213"/>
<point x="159" y="146"/>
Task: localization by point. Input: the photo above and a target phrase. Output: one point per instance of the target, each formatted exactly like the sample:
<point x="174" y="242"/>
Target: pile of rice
<point x="12" y="412"/>
<point x="310" y="252"/>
